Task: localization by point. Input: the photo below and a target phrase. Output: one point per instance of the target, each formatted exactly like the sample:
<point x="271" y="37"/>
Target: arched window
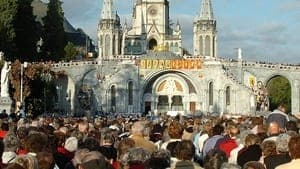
<point x="211" y="93"/>
<point x="100" y="40"/>
<point x="130" y="93"/>
<point x="207" y="46"/>
<point x="114" y="45"/>
<point x="107" y="46"/>
<point x="201" y="45"/>
<point x="228" y="95"/>
<point x="113" y="98"/>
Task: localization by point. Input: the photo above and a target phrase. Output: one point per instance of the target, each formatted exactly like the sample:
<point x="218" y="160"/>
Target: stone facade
<point x="132" y="76"/>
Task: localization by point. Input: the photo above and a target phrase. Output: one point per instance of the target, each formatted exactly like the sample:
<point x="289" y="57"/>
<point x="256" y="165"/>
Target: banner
<point x="170" y="64"/>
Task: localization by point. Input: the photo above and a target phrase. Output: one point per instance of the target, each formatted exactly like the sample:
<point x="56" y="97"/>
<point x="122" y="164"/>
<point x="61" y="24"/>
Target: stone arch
<point x="207" y="46"/>
<point x="130" y="89"/>
<point x="228" y="95"/>
<point x="113" y="98"/>
<point x="152" y="44"/>
<point x="210" y="93"/>
<point x="278" y="89"/>
<point x="151" y="77"/>
<point x="107" y="46"/>
<point x="65" y="94"/>
<point x="201" y="45"/>
<point x="114" y="45"/>
<point x="177" y="98"/>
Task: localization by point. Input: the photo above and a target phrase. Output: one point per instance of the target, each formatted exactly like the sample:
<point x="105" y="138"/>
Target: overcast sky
<point x="266" y="30"/>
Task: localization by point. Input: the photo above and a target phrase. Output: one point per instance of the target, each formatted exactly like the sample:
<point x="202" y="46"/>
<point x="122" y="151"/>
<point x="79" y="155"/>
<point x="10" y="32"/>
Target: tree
<point x="279" y="90"/>
<point x="8" y="10"/>
<point x="54" y="35"/>
<point x="70" y="52"/>
<point x="33" y="78"/>
<point x="26" y="32"/>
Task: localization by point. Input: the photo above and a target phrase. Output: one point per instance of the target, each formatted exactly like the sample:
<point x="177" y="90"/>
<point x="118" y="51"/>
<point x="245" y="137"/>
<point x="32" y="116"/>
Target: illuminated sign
<point x="170" y="64"/>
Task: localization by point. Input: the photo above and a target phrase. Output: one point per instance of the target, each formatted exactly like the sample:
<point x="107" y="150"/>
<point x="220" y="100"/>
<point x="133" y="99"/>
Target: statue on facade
<point x="5" y="80"/>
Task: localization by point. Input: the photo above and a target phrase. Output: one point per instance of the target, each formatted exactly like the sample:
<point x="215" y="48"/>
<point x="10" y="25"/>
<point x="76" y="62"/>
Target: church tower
<point x="205" y="31"/>
<point x="109" y="32"/>
<point x="151" y="29"/>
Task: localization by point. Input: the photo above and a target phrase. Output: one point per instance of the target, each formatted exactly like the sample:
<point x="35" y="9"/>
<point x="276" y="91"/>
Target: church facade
<point x="142" y="68"/>
<point x="157" y="77"/>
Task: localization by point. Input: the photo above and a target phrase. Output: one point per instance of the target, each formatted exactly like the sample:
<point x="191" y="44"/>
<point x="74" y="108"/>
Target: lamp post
<point x="59" y="88"/>
<point x="47" y="78"/>
<point x="24" y="65"/>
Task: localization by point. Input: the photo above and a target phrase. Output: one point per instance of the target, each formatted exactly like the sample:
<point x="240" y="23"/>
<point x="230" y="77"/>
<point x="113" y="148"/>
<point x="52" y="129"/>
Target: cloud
<point x="288" y="6"/>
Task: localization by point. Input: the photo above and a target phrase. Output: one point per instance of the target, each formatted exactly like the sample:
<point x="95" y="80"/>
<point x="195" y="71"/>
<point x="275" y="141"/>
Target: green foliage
<point x="26" y="32"/>
<point x="70" y="52"/>
<point x="18" y="30"/>
<point x="38" y="92"/>
<point x="54" y="35"/>
<point x="279" y="92"/>
<point x="8" y="10"/>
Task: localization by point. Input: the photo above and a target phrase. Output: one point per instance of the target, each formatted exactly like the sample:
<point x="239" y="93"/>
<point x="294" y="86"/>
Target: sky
<point x="266" y="30"/>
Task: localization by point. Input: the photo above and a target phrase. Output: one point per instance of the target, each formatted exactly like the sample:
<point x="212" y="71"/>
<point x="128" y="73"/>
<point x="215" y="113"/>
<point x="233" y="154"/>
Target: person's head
<point x="90" y="143"/>
<point x="185" y="150"/>
<point x="175" y="130"/>
<point x="214" y="159"/>
<point x="269" y="148"/>
<point x="45" y="160"/>
<point x="14" y="166"/>
<point x="253" y="165"/>
<point x="35" y="142"/>
<point x="156" y="133"/>
<point x="207" y="127"/>
<point x="291" y="126"/>
<point x="135" y="156"/>
<point x="230" y="166"/>
<point x="282" y="107"/>
<point x="282" y="143"/>
<point x="83" y="126"/>
<point x="11" y="142"/>
<point x="233" y="131"/>
<point x="124" y="145"/>
<point x="273" y="128"/>
<point x="71" y="144"/>
<point x="93" y="159"/>
<point x="107" y="138"/>
<point x="242" y="136"/>
<point x="294" y="147"/>
<point x="138" y="128"/>
<point x="160" y="159"/>
<point x="27" y="161"/>
<point x="217" y="130"/>
<point x="251" y="139"/>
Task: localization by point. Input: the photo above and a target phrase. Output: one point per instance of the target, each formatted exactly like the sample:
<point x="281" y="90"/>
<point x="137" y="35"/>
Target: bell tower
<point x="205" y="31"/>
<point x="109" y="32"/>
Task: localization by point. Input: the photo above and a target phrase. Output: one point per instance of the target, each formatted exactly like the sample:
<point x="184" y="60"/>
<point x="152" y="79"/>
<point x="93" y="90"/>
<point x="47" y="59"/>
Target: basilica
<point x="152" y="73"/>
<point x="142" y="68"/>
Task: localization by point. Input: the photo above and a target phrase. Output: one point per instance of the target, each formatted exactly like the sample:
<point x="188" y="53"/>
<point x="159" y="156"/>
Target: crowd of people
<point x="160" y="142"/>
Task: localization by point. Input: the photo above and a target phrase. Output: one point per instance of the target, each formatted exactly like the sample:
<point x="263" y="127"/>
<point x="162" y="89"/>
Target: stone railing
<point x="270" y="65"/>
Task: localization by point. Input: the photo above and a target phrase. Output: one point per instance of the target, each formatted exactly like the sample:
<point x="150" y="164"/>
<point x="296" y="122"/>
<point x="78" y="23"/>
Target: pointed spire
<point x="206" y="10"/>
<point x="178" y="26"/>
<point x="107" y="10"/>
<point x="125" y="24"/>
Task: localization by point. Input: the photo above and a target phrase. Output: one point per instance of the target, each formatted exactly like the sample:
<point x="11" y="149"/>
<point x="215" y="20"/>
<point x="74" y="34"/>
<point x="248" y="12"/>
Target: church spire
<point x="206" y="10"/>
<point x="107" y="10"/>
